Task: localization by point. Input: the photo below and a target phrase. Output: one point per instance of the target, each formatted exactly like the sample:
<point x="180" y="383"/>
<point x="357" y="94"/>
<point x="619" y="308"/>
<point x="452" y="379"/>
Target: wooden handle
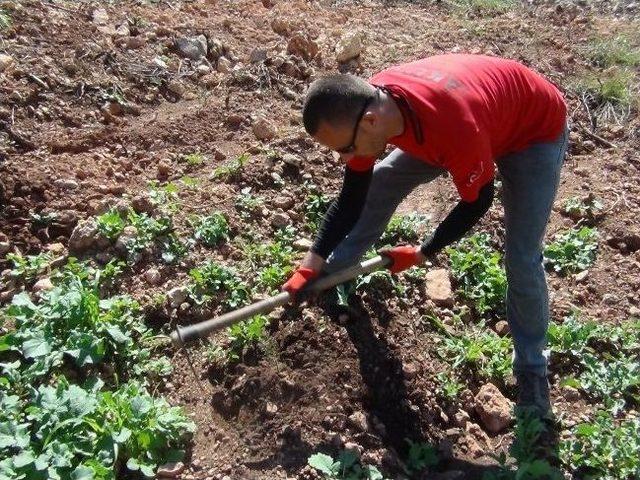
<point x="189" y="333"/>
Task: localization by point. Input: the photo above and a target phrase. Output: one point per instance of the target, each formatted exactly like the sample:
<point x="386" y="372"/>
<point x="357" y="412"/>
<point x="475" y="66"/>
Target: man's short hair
<point x="336" y="99"/>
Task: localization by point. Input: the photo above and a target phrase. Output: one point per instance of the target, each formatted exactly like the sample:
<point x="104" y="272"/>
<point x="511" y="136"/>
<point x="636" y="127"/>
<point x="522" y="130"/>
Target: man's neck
<point x="392" y="115"/>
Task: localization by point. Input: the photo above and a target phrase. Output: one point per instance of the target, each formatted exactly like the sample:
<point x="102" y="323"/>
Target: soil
<point x="67" y="151"/>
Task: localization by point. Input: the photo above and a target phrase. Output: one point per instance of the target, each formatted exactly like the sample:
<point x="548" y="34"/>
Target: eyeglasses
<point x="352" y="145"/>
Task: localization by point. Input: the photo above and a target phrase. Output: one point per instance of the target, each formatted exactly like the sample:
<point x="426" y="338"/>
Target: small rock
<point x="461" y="418"/>
<point x="283" y="202"/>
<point x="493" y="408"/>
<point x="302" y="46"/>
<point x="224" y="65"/>
<point x="354" y="448"/>
<point x="6" y="61"/>
<point x="66" y="183"/>
<point x="263" y="129"/>
<point x="570" y="394"/>
<point x="177" y="295"/>
<point x="123" y="30"/>
<point x="258" y="55"/>
<point x="634" y="311"/>
<point x="142" y="204"/>
<point x="302" y="244"/>
<point x="83" y="236"/>
<point x="5" y="247"/>
<point x="270" y="409"/>
<point x="203" y="70"/>
<point x="133" y="43"/>
<point x="358" y="420"/>
<point x="100" y="16"/>
<point x="292" y="160"/>
<point x="153" y="277"/>
<point x="193" y="48"/>
<point x="280" y="219"/>
<point x="502" y="328"/>
<point x="581" y="276"/>
<point x="410" y="370"/>
<point x="438" y="287"/>
<point x="350" y="46"/>
<point x="43" y="285"/>
<point x="170" y="470"/>
<point x="176" y="87"/>
<point x="164" y="168"/>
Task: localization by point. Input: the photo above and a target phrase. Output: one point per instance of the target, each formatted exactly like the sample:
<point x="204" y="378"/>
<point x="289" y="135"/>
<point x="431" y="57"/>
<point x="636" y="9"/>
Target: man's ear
<point x="370" y="119"/>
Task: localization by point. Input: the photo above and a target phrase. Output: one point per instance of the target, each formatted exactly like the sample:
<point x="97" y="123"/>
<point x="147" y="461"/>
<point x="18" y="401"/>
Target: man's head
<point x="343" y="112"/>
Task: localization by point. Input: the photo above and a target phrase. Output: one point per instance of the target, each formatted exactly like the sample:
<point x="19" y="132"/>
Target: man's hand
<point x="307" y="271"/>
<point x="403" y="257"/>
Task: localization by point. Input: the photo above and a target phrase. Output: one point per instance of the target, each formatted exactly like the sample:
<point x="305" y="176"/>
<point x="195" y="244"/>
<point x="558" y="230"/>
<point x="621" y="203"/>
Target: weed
<point x="403" y="228"/>
<point x="174" y="249"/>
<point x="165" y="197"/>
<point x="481" y="350"/>
<point x="245" y="335"/>
<point x="247" y="203"/>
<point x="608" y="95"/>
<point x="43" y="219"/>
<point x="380" y="279"/>
<point x="111" y="224"/>
<point x="345" y="467"/>
<point x="572" y="251"/>
<point x="421" y="455"/>
<point x="210" y="280"/>
<point x="147" y="230"/>
<point x="607" y="52"/>
<point x="603" y="448"/>
<point x="448" y="385"/>
<point x="231" y="169"/>
<point x="315" y="207"/>
<point x="585" y="210"/>
<point x="484" y="7"/>
<point x="610" y="378"/>
<point x="273" y="261"/>
<point x="190" y="182"/>
<point x="5" y="19"/>
<point x="211" y="230"/>
<point x="477" y="267"/>
<point x="193" y="159"/>
<point x="30" y="266"/>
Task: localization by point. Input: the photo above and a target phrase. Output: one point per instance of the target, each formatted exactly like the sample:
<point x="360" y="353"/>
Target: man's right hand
<point x="307" y="271"/>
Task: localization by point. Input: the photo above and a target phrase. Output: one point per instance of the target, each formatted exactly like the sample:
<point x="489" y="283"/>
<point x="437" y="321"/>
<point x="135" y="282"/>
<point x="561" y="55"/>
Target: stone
<point x="438" y="287"/>
<point x="177" y="296"/>
<point x="350" y="46"/>
<point x="410" y="370"/>
<point x="270" y="409"/>
<point x="170" y="470"/>
<point x="570" y="394"/>
<point x="164" y="168"/>
<point x="83" y="236"/>
<point x="258" y="55"/>
<point x="194" y="48"/>
<point x="263" y="129"/>
<point x="502" y="328"/>
<point x="123" y="30"/>
<point x="280" y="219"/>
<point x="43" y="285"/>
<point x="283" y="202"/>
<point x="301" y="45"/>
<point x="142" y="204"/>
<point x="6" y="61"/>
<point x="461" y="418"/>
<point x="224" y="65"/>
<point x="354" y="448"/>
<point x="100" y="16"/>
<point x="581" y="276"/>
<point x="66" y="183"/>
<point x="153" y="277"/>
<point x="493" y="408"/>
<point x="133" y="43"/>
<point x="176" y="88"/>
<point x="302" y="244"/>
<point x="5" y="247"/>
<point x="358" y="420"/>
<point x="203" y="70"/>
<point x="634" y="311"/>
<point x="292" y="160"/>
<point x="127" y="236"/>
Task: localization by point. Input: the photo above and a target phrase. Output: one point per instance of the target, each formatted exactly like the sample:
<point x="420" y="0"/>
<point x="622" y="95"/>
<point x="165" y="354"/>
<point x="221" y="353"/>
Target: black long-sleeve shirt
<point x="345" y="210"/>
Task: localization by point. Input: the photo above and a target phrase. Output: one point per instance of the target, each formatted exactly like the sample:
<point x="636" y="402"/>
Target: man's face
<point x="365" y="139"/>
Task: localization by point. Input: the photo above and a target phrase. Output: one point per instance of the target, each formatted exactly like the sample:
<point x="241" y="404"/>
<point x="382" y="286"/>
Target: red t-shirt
<point x="470" y="110"/>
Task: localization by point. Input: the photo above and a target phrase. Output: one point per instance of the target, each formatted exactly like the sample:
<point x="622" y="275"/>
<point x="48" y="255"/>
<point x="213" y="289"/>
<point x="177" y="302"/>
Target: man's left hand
<point x="403" y="257"/>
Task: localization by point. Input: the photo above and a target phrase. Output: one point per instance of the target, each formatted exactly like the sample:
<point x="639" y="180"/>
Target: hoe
<point x="193" y="332"/>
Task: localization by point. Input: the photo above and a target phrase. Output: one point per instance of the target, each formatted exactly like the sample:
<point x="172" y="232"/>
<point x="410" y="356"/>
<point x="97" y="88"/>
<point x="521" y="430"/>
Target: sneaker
<point x="533" y="394"/>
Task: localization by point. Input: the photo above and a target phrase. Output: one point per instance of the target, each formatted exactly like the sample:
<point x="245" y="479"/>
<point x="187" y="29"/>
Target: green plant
<point x="147" y="230"/>
<point x="5" y="19"/>
<point x="211" y="281"/>
<point x="315" y="207"/>
<point x="193" y="159"/>
<point x="190" y="182"/>
<point x="231" y="169"/>
<point x="572" y="251"/>
<point x="245" y="335"/>
<point x="477" y="268"/>
<point x="421" y="455"/>
<point x="30" y="266"/>
<point x="610" y="51"/>
<point x="587" y="209"/>
<point x="448" y="385"/>
<point x="403" y="228"/>
<point x="165" y="197"/>
<point x="603" y="448"/>
<point x="211" y="230"/>
<point x="174" y="249"/>
<point x="273" y="261"/>
<point x="610" y="378"/>
<point x="608" y="94"/>
<point x="481" y="350"/>
<point x="111" y="224"/>
<point x="345" y="467"/>
<point x="247" y="203"/>
<point x="484" y="7"/>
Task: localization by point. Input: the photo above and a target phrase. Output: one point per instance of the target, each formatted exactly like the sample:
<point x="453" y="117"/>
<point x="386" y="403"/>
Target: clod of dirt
<point x="43" y="285"/>
<point x="153" y="277"/>
<point x="263" y="129"/>
<point x="6" y="61"/>
<point x="280" y="220"/>
<point x="358" y="420"/>
<point x="350" y="46"/>
<point x="83" y="236"/>
<point x="301" y="45"/>
<point x="177" y="296"/>
<point x="224" y="65"/>
<point x="502" y="328"/>
<point x="493" y="408"/>
<point x="283" y="202"/>
<point x="302" y="244"/>
<point x="127" y="236"/>
<point x="438" y="287"/>
<point x="170" y="470"/>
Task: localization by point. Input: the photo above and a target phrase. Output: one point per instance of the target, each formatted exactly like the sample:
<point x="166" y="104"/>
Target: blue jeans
<point x="530" y="181"/>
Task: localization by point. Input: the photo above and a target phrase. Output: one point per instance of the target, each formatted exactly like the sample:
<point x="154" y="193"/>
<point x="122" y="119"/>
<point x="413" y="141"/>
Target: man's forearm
<point x="459" y="221"/>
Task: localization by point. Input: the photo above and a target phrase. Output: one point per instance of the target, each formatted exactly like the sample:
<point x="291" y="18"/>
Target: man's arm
<point x="459" y="221"/>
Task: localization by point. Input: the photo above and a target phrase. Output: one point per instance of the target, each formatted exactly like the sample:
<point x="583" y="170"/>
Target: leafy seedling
<point x="572" y="251"/>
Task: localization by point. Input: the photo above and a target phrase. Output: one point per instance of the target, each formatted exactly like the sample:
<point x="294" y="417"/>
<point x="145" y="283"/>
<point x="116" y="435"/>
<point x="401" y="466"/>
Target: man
<point x="461" y="114"/>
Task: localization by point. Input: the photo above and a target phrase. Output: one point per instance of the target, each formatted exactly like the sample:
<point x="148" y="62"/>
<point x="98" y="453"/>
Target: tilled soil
<point x="92" y="112"/>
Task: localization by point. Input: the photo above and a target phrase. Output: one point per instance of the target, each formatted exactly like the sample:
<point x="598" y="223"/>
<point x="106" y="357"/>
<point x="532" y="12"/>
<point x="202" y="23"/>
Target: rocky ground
<point x="101" y="100"/>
